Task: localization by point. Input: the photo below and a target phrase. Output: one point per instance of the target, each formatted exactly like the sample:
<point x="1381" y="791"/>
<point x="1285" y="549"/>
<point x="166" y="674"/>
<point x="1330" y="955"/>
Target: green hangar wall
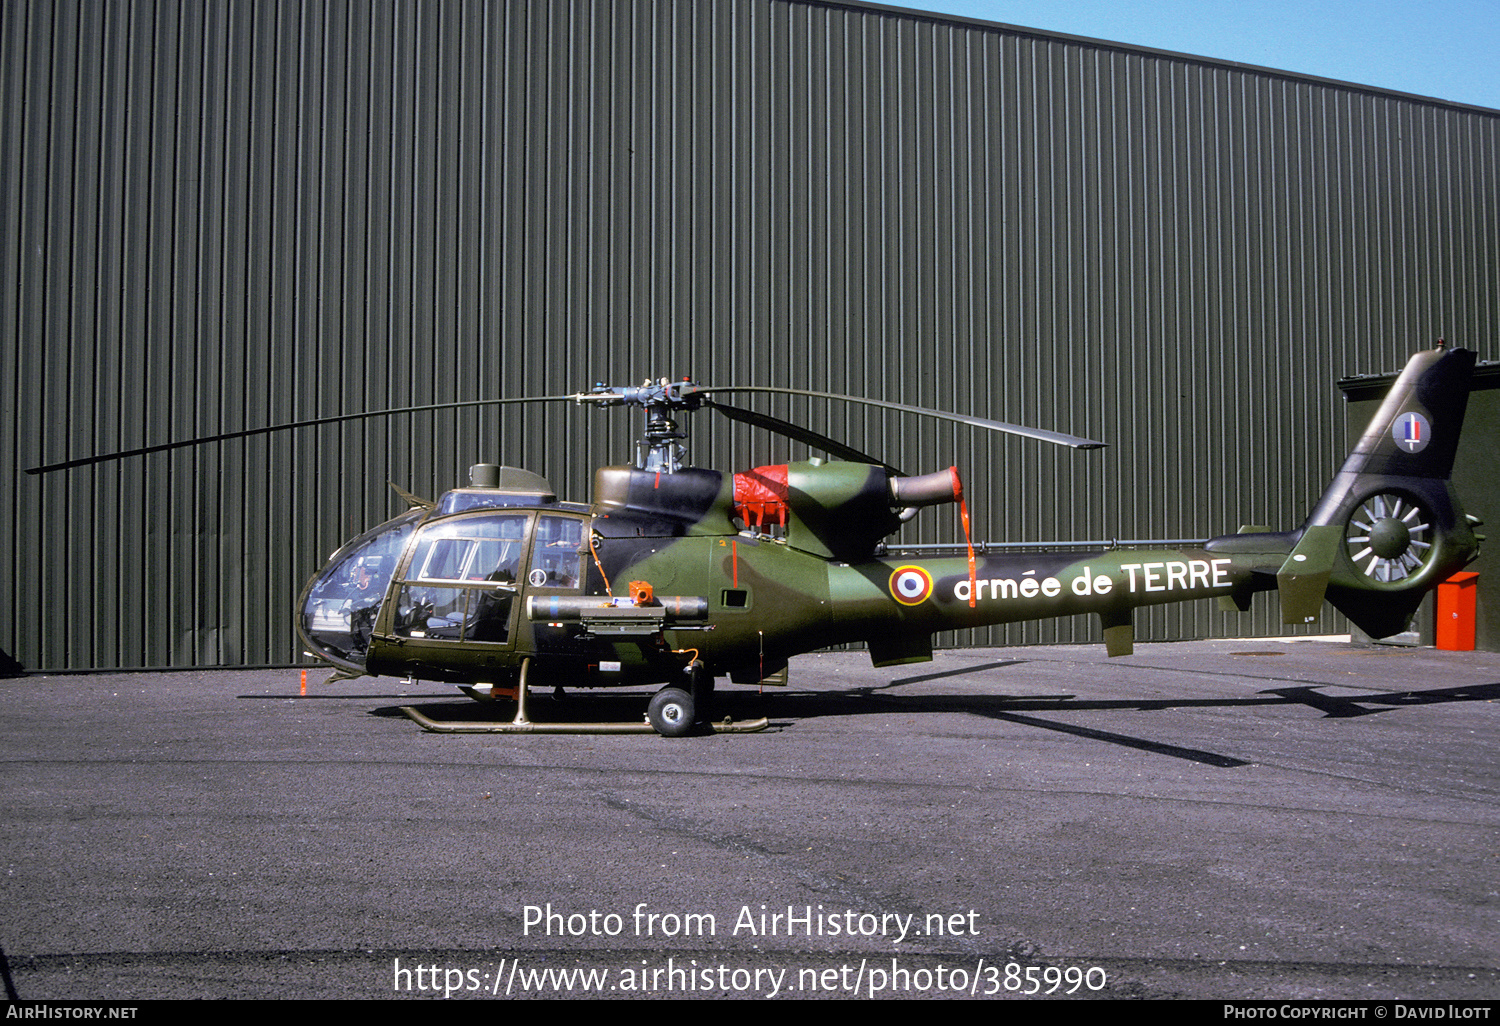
<point x="219" y="216"/>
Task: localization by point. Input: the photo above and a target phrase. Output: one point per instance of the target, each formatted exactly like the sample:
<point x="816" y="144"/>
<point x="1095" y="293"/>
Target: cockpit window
<point x="486" y="548"/>
<point x="557" y="556"/>
<point x="341" y="603"/>
<point x="461" y="581"/>
<point x="460" y="500"/>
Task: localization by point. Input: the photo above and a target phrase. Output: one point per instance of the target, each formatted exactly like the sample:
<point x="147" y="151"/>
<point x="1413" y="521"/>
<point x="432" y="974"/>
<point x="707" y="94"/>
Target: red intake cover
<point x="760" y="496"/>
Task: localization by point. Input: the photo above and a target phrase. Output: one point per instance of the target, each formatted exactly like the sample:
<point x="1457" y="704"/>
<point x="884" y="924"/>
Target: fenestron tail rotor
<point x="1389" y="537"/>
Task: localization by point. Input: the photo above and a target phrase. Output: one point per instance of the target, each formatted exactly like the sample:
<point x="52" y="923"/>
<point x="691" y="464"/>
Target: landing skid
<point x="522" y="724"/>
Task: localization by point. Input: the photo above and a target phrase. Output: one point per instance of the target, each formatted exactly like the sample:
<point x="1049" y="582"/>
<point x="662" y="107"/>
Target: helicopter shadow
<point x="786" y="708"/>
<point x="1012" y="709"/>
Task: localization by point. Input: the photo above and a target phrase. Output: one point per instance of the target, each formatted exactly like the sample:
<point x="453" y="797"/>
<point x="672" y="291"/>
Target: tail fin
<point x="1400" y="526"/>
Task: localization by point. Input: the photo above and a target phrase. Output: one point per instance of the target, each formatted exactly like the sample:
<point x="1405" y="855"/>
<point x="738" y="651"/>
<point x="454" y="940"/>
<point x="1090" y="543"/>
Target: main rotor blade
<point x="252" y="432"/>
<point x="798" y="433"/>
<point x="1055" y="437"/>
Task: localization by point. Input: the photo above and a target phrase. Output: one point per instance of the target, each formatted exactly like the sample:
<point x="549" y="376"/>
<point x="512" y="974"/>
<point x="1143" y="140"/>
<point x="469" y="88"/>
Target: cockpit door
<point x="556" y="567"/>
<point x="461" y="581"/>
<point x="454" y="610"/>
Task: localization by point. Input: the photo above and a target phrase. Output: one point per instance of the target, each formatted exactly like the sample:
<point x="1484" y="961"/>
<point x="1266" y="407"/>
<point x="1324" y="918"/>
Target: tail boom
<point x="1387" y="529"/>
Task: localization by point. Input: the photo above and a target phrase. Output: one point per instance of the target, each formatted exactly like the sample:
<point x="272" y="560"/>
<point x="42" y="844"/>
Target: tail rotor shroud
<point x="1389" y="537"/>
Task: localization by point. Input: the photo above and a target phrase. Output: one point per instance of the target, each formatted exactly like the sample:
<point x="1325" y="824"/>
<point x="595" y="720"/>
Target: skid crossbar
<point x="522" y="724"/>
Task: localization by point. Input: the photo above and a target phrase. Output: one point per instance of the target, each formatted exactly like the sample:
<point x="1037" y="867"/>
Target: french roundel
<point x="1412" y="432"/>
<point x="910" y="585"/>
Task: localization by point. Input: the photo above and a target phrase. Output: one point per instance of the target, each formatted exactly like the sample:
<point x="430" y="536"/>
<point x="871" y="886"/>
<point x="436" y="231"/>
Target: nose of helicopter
<point x="340" y="604"/>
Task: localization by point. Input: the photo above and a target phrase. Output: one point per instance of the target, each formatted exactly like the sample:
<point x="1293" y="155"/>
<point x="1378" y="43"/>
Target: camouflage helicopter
<point x="677" y="575"/>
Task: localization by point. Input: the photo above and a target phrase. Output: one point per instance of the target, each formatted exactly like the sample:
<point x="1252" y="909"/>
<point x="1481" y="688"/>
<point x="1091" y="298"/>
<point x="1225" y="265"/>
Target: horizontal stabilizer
<point x="1303" y="578"/>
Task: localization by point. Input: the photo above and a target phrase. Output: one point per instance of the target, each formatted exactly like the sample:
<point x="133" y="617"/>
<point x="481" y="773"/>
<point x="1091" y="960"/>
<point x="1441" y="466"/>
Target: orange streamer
<point x="963" y="514"/>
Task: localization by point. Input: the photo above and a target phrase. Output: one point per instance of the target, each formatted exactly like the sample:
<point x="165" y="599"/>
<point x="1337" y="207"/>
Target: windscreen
<point x="340" y="604"/>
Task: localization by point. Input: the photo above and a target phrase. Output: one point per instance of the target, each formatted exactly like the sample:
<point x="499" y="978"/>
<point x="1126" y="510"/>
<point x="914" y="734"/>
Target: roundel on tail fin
<point x="1412" y="432"/>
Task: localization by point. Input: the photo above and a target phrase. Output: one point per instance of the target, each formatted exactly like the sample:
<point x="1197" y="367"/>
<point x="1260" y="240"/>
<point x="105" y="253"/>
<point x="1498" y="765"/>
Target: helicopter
<point x="674" y="576"/>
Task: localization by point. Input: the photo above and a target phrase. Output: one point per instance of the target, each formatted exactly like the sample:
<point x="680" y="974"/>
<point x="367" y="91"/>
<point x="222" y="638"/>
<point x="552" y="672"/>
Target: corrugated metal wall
<point x="220" y="215"/>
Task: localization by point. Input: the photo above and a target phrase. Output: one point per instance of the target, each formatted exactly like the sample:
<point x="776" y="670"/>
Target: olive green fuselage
<point x="769" y="601"/>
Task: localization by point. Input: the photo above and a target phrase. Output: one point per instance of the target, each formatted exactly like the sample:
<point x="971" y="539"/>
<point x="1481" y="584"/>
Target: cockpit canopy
<point x="456" y="566"/>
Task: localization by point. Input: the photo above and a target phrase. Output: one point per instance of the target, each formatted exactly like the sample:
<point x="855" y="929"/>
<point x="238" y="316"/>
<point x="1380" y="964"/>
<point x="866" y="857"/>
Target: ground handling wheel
<point x="671" y="712"/>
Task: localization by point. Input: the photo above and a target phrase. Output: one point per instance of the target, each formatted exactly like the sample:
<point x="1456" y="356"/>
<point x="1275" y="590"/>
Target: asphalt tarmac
<point x="1232" y="819"/>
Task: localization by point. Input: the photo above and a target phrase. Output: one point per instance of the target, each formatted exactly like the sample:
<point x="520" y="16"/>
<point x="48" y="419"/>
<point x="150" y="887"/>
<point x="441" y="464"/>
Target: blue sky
<point x="1440" y="48"/>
